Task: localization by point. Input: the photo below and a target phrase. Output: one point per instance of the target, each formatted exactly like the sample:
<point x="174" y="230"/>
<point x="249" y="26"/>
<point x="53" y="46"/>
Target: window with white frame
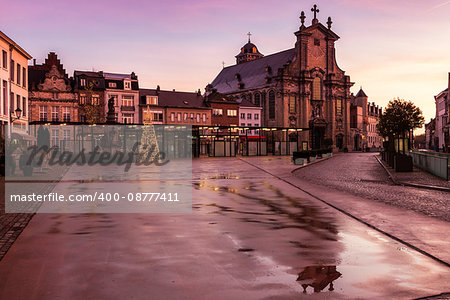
<point x="66" y="114"/>
<point x="127" y="85"/>
<point x="185" y="117"/>
<point x="128" y="118"/>
<point x="217" y="111"/>
<point x="204" y="118"/>
<point x="232" y="113"/>
<point x="43" y="113"/>
<point x="127" y="100"/>
<point x="256" y="116"/>
<point x="82" y="82"/>
<point x="242" y="115"/>
<point x="249" y="116"/>
<point x="55" y="113"/>
<point x="82" y="99"/>
<point x="172" y="116"/>
<point x="66" y="134"/>
<point x="112" y="84"/>
<point x="198" y="118"/>
<point x="192" y="117"/>
<point x="179" y="117"/>
<point x="55" y="137"/>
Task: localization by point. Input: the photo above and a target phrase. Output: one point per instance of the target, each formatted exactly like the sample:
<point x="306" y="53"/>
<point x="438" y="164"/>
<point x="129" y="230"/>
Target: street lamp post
<point x="14" y="117"/>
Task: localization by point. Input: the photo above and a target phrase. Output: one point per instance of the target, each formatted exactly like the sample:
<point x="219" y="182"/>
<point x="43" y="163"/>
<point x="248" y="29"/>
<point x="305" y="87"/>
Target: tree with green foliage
<point x="399" y="119"/>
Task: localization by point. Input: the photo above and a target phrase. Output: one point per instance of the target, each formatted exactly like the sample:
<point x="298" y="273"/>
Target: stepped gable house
<point x="51" y="95"/>
<point x="302" y="87"/>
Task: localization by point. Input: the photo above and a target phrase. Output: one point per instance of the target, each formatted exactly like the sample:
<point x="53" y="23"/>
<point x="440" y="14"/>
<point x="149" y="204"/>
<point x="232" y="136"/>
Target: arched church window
<point x="317" y="89"/>
<point x="258" y="99"/>
<point x="272" y="105"/>
<point x="249" y="98"/>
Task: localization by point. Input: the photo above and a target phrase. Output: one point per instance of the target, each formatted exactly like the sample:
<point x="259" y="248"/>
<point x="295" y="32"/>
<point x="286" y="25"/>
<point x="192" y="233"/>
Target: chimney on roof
<point x="173" y="90"/>
<point x="199" y="93"/>
<point x="157" y="89"/>
<point x="34" y="61"/>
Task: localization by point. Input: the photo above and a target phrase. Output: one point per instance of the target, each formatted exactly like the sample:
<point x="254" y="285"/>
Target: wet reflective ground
<point x="250" y="235"/>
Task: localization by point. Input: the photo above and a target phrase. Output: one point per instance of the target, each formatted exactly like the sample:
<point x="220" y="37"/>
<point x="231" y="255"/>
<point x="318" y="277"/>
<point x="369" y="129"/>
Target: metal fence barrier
<point x="434" y="164"/>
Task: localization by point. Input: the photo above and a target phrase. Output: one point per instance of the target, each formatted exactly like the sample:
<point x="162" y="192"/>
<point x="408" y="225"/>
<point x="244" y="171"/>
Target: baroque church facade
<point x="302" y="87"/>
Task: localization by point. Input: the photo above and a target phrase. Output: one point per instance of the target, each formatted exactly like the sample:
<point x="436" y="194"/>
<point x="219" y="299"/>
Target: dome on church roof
<point x="250" y="48"/>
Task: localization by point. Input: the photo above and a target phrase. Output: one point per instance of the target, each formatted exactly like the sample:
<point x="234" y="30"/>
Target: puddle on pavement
<point x="316" y="247"/>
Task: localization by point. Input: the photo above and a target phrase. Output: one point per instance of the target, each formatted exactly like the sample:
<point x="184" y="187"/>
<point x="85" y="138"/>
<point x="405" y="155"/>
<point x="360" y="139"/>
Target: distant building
<point x="174" y="108"/>
<point x="442" y="119"/>
<point x="302" y="87"/>
<point x="224" y="109"/>
<point x="430" y="137"/>
<point x="90" y="90"/>
<point x="51" y="94"/>
<point x="364" y="118"/>
<point x="249" y="116"/>
<point x="13" y="83"/>
<point x="124" y="89"/>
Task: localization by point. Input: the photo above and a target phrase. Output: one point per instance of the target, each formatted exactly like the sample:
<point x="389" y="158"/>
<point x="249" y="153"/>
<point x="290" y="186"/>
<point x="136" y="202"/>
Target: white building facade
<point x="249" y="116"/>
<point x="124" y="89"/>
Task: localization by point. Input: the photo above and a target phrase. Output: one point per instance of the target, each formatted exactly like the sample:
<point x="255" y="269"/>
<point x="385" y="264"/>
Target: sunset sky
<point x="390" y="48"/>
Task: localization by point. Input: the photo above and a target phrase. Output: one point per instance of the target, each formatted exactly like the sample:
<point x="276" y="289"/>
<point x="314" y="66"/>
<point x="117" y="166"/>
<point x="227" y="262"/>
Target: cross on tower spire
<point x="249" y="35"/>
<point x="315" y="10"/>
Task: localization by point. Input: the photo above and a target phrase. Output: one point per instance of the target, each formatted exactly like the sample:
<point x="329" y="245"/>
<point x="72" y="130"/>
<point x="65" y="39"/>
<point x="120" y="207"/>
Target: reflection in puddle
<point x="318" y="277"/>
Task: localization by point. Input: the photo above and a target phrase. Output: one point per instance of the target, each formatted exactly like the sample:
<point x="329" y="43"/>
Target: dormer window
<point x="152" y="100"/>
<point x="237" y="76"/>
<point x="127" y="85"/>
<point x="112" y="84"/>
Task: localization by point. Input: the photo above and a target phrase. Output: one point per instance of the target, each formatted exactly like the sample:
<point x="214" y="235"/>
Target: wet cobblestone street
<point x="361" y="174"/>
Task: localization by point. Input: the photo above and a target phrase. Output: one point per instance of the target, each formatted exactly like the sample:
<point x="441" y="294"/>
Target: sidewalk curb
<point x="405" y="183"/>
<point x="312" y="163"/>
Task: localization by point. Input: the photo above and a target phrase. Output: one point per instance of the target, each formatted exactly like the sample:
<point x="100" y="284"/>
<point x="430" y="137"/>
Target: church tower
<point x="248" y="52"/>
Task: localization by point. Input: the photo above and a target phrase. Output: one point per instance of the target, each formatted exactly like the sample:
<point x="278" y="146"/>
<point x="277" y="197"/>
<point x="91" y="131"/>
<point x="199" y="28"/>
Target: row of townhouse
<point x="56" y="98"/>
<point x="45" y="94"/>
